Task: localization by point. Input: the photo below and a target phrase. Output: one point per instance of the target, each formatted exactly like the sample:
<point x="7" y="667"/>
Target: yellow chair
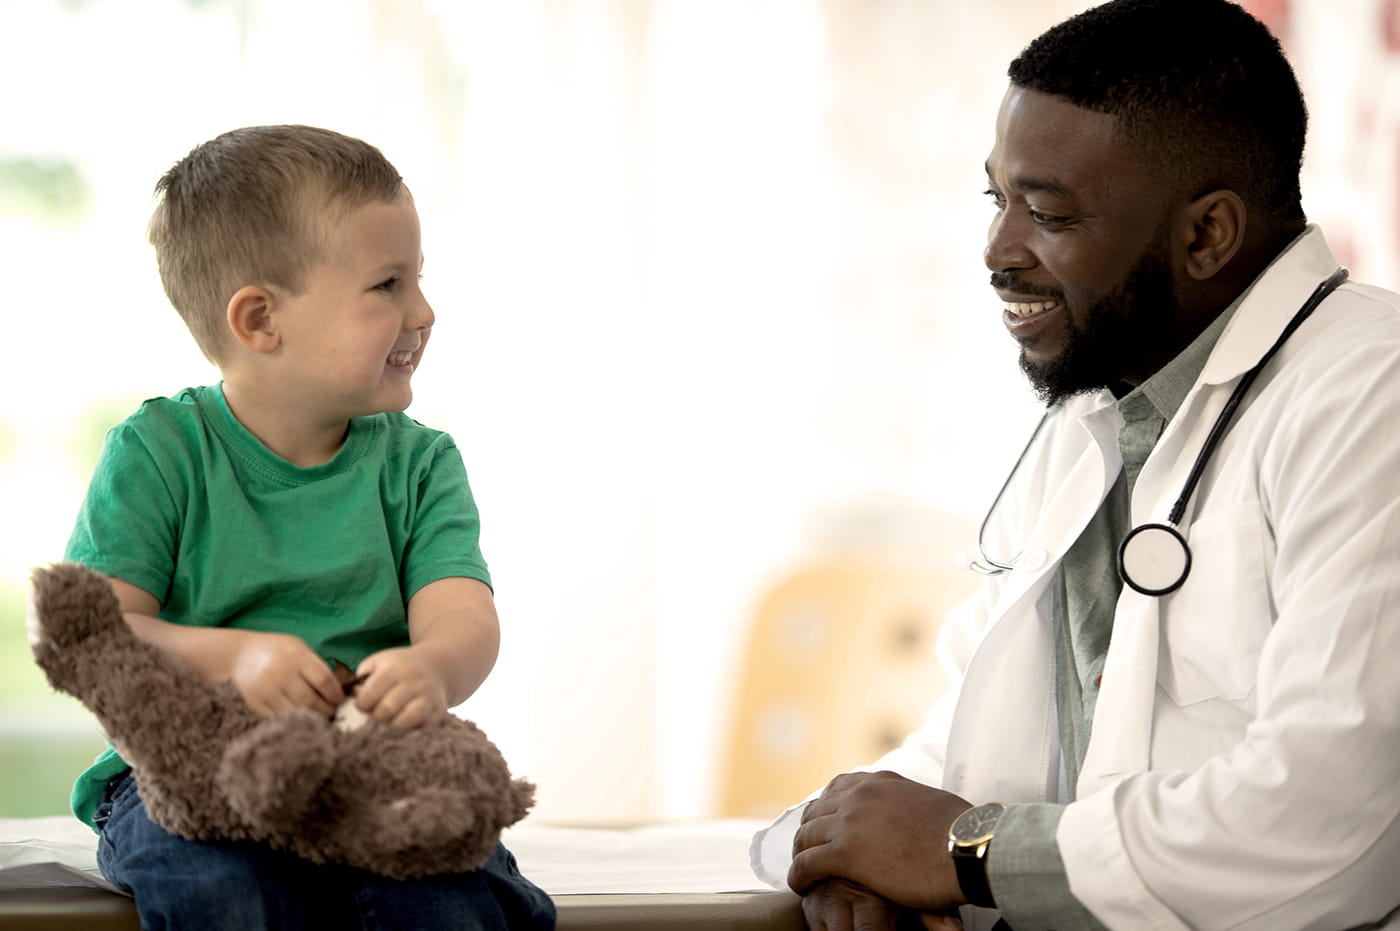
<point x="838" y="668"/>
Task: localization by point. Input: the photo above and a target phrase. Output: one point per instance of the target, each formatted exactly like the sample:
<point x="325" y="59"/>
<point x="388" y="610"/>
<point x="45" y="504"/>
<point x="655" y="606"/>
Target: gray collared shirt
<point x="1027" y="875"/>
<point x="1085" y="591"/>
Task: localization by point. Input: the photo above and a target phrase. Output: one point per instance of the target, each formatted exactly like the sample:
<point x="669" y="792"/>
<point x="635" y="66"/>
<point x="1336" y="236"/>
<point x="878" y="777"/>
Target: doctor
<point x="1224" y="753"/>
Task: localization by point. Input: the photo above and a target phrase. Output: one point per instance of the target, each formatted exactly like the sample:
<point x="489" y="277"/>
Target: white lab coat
<point x="1244" y="766"/>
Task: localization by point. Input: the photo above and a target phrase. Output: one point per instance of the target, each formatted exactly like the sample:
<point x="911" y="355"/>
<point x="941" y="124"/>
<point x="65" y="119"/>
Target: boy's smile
<point x="401" y="360"/>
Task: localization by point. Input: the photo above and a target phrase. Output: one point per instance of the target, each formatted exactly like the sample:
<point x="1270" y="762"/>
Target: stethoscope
<point x="1155" y="558"/>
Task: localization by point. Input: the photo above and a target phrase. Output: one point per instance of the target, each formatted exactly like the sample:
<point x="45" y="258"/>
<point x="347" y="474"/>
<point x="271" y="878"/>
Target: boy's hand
<point x="277" y="671"/>
<point x="401" y="687"/>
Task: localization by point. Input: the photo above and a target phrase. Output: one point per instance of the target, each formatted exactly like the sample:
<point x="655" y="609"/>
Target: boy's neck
<point x="282" y="427"/>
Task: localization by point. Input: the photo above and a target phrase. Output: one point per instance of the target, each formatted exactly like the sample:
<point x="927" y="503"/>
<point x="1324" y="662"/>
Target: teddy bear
<point x="401" y="803"/>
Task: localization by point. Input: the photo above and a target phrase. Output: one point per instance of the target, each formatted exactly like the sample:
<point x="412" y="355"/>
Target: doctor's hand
<point x="885" y="832"/>
<point x="841" y="905"/>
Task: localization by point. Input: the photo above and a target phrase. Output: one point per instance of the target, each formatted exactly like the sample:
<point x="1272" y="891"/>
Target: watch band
<point x="971" y="866"/>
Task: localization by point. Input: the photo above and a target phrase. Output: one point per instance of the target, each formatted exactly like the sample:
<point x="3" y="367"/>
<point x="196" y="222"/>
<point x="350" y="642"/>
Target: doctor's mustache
<point x="1004" y="282"/>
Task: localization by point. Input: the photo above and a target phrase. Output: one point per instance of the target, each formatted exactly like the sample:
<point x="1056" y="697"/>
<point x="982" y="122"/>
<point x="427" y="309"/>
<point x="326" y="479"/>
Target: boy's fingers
<point x="370" y="693"/>
<point x="418" y="712"/>
<point x="395" y="706"/>
<point x="421" y="713"/>
<point x="324" y="685"/>
<point x="406" y="716"/>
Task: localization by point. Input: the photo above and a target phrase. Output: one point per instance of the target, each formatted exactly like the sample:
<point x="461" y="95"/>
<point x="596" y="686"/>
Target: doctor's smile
<point x="1023" y="310"/>
<point x="1025" y="314"/>
<point x="1026" y="309"/>
<point x="1030" y="321"/>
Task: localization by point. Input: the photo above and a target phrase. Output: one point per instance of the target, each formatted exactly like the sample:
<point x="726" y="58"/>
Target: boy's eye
<point x="387" y="284"/>
<point x="996" y="197"/>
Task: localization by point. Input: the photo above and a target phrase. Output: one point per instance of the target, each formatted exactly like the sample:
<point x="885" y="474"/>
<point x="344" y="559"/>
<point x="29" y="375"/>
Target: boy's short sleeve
<point x="444" y="540"/>
<point x="128" y="524"/>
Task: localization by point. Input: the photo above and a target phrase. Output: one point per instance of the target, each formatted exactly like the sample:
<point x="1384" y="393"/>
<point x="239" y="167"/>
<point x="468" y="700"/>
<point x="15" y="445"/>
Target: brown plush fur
<point x="403" y="803"/>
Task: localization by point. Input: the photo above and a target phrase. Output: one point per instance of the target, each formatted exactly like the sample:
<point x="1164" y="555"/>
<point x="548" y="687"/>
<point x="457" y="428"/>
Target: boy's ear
<point x="1217" y="223"/>
<point x="250" y="318"/>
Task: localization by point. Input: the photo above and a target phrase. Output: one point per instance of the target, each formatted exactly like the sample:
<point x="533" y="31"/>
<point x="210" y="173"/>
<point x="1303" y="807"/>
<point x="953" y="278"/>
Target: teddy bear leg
<point x="272" y="774"/>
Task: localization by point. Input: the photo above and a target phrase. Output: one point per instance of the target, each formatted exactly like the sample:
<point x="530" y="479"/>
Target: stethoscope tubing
<point x="986" y="565"/>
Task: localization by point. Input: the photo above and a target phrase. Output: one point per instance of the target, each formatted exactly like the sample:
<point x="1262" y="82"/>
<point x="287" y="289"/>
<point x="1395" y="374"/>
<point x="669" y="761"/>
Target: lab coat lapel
<point x="1080" y="474"/>
<point x="1008" y="689"/>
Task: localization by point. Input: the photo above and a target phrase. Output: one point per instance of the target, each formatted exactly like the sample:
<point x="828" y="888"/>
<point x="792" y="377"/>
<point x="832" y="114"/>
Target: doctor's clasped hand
<point x="887" y="833"/>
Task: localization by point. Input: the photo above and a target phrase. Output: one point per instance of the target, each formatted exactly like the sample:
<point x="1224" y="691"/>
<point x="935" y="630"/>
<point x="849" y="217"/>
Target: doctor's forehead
<point x="1045" y="144"/>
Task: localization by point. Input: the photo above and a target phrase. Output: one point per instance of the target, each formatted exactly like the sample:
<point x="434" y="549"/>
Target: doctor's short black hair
<point x="1200" y="86"/>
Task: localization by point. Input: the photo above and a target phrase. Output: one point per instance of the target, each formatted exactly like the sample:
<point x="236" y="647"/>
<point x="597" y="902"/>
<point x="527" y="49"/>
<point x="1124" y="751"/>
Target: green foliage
<point x="46" y="738"/>
<point x="47" y="189"/>
<point x="38" y="767"/>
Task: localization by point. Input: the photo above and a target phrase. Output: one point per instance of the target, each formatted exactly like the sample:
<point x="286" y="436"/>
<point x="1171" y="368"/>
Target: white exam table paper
<point x="670" y="857"/>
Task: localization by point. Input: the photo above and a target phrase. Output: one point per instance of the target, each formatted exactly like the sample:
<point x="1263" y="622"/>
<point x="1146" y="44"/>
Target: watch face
<point x="976" y="825"/>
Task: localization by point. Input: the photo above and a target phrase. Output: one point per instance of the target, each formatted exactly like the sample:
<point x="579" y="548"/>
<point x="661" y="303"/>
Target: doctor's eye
<point x="1049" y="221"/>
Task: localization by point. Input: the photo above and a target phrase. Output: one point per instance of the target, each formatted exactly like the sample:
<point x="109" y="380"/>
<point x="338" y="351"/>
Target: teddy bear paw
<point x="272" y="774"/>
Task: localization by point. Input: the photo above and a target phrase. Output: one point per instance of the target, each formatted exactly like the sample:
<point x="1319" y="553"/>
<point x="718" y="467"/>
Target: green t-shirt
<point x="188" y="505"/>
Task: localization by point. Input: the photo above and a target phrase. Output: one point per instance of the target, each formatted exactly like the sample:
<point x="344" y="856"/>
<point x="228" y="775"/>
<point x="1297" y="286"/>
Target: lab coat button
<point x="1034" y="560"/>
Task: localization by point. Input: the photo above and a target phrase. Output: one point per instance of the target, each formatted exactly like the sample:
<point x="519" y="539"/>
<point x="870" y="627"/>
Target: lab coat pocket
<point x="1214" y="626"/>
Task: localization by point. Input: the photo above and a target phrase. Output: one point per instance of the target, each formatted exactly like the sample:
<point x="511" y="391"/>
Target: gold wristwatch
<point x="968" y="840"/>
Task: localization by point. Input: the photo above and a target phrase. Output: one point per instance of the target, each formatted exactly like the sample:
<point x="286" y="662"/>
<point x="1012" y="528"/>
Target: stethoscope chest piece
<point x="1154" y="559"/>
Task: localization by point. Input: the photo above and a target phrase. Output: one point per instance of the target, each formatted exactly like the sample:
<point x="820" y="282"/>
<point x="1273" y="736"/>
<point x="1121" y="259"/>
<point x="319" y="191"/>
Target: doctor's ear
<point x="250" y="320"/>
<point x="1217" y="225"/>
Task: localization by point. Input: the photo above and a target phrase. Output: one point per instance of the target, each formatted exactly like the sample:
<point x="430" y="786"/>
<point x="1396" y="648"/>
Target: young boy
<point x="292" y="519"/>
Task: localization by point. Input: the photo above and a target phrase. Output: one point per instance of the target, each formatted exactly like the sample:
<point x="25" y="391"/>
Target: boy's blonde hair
<point x="256" y="206"/>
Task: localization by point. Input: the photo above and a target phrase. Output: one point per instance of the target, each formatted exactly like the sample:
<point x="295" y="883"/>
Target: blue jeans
<point x="184" y="884"/>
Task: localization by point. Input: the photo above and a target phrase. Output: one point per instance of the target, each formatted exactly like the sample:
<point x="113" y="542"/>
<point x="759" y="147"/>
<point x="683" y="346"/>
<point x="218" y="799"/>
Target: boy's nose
<point x="422" y="317"/>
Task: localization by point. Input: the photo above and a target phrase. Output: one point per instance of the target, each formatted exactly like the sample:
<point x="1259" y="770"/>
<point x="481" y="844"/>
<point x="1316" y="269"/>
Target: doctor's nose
<point x="1006" y="249"/>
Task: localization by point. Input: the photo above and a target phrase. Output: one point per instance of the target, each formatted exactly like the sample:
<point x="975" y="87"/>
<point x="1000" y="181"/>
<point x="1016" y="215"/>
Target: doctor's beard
<point x="1131" y="320"/>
